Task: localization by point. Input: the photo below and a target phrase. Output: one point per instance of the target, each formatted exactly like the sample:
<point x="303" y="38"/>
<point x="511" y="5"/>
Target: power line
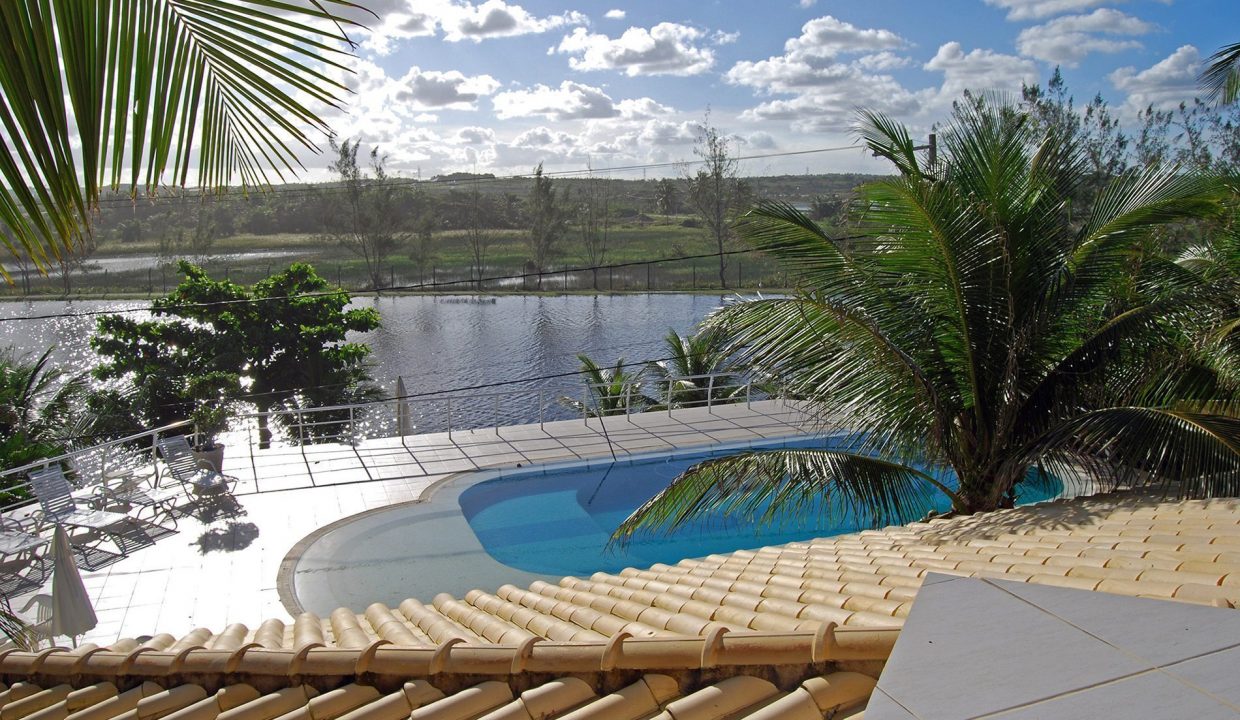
<point x="314" y="189"/>
<point x="404" y="288"/>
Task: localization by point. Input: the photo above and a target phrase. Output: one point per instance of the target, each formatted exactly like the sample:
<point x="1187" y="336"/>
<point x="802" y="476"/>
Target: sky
<point x="499" y="86"/>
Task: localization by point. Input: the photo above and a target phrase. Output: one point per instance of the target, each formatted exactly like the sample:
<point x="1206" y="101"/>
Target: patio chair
<point x="22" y="567"/>
<point x="59" y="507"/>
<point x="41" y="628"/>
<point x="121" y="485"/>
<point x="186" y="469"/>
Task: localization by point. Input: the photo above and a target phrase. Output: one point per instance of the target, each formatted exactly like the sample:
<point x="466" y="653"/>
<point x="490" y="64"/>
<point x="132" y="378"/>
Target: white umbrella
<point x="403" y="421"/>
<point x="72" y="614"/>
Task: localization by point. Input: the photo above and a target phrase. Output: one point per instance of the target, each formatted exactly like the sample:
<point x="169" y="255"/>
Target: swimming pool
<point x="484" y="529"/>
<point x="559" y="523"/>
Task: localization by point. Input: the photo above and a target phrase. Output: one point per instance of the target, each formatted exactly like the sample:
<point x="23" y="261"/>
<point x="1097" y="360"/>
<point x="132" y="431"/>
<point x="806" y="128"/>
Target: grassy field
<point x="662" y="247"/>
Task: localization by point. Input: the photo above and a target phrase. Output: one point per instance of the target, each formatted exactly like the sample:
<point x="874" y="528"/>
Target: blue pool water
<point x="559" y="523"/>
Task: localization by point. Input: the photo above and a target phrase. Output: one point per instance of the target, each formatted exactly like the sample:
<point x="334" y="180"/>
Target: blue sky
<point x="498" y="86"/>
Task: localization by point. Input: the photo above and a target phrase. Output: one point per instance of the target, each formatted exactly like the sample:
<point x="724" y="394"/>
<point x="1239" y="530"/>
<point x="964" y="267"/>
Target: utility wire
<point x="404" y="288"/>
<point x="316" y="188"/>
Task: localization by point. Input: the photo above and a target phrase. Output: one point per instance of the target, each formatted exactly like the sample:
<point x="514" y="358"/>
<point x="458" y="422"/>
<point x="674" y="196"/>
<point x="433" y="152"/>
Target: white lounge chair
<point x="123" y="485"/>
<point x="60" y="508"/>
<point x="185" y="467"/>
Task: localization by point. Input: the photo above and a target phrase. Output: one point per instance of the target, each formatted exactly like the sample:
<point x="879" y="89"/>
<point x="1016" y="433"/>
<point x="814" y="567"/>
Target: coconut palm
<point x="612" y="391"/>
<point x="1221" y="78"/>
<point x="684" y="377"/>
<point x="979" y="327"/>
<point x="39" y="408"/>
<point x="136" y="93"/>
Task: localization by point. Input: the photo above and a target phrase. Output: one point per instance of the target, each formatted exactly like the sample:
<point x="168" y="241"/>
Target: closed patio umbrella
<point x="72" y="614"/>
<point x="403" y="421"/>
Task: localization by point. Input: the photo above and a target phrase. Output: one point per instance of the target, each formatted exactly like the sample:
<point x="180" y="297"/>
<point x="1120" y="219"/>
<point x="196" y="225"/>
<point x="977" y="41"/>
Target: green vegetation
<point x="283" y="340"/>
<point x="985" y="325"/>
<point x="91" y="89"/>
<point x="40" y="410"/>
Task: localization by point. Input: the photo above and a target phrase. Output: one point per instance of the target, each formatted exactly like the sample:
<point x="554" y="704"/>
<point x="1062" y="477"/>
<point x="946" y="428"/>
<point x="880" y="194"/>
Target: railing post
<point x="585" y="406"/>
<point x="541" y="406"/>
<point x="249" y="435"/>
<point x="710" y="394"/>
<point x="449" y="413"/>
<point x="497" y="413"/>
<point x="352" y="426"/>
<point x="749" y="395"/>
<point x="628" y="402"/>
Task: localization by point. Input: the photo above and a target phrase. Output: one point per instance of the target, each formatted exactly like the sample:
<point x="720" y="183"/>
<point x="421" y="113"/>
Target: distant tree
<point x="826" y="207"/>
<point x="285" y="336"/>
<point x="666" y="197"/>
<point x="594" y="221"/>
<point x="547" y="222"/>
<point x="477" y="236"/>
<point x="366" y="215"/>
<point x="715" y="192"/>
<point x="423" y="221"/>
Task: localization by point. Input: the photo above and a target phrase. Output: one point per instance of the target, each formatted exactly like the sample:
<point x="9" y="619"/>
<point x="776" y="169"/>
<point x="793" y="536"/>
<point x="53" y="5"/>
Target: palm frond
<point x="1221" y="77"/>
<point x="1189" y="453"/>
<point x="153" y="88"/>
<point x="758" y="486"/>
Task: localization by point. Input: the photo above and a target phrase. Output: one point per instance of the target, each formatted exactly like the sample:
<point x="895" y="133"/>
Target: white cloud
<point x="979" y="69"/>
<point x="827" y="88"/>
<point x="1165" y="84"/>
<point x="807" y="3"/>
<point x="451" y="90"/>
<point x="1067" y="40"/>
<point x="724" y="38"/>
<point x="828" y="37"/>
<point x="475" y="135"/>
<point x="615" y="14"/>
<point x="496" y="18"/>
<point x="570" y="101"/>
<point x="665" y="49"/>
<point x="1037" y="9"/>
<point x="642" y="109"/>
<point x="760" y="140"/>
<point x="885" y="60"/>
<point x="456" y="20"/>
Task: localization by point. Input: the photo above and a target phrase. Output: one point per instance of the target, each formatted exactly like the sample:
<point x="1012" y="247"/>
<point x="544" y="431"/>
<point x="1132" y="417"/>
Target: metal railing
<point x="454" y="412"/>
<point x="101" y="460"/>
<point x="412" y="415"/>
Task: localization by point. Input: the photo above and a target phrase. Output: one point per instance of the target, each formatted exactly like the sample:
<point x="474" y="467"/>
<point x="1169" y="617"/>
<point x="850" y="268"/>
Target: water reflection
<point x="436" y="343"/>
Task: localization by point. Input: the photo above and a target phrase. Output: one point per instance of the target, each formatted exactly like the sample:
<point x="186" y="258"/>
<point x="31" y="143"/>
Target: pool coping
<point x="288" y="565"/>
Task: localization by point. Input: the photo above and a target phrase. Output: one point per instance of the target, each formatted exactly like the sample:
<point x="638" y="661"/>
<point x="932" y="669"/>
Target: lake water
<point x="439" y="343"/>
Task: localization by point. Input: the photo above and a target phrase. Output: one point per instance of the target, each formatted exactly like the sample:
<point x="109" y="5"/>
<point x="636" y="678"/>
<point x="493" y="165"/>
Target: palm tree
<point x="684" y="377"/>
<point x="136" y="93"/>
<point x="39" y="408"/>
<point x="980" y="327"/>
<point x="1221" y="78"/>
<point x="612" y="391"/>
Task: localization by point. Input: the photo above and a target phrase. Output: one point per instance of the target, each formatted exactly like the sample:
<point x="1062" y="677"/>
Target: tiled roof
<point x="740" y="628"/>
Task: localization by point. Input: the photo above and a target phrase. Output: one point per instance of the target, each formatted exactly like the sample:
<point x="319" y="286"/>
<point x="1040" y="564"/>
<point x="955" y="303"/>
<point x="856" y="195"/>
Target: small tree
<point x="666" y="197"/>
<point x="594" y="222"/>
<point x="367" y="216"/>
<point x="547" y="222"/>
<point x="715" y="192"/>
<point x="284" y="337"/>
<point x="477" y="237"/>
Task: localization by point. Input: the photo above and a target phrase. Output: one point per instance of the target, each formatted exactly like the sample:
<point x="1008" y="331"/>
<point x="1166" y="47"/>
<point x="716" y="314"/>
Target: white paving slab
<point x="975" y="648"/>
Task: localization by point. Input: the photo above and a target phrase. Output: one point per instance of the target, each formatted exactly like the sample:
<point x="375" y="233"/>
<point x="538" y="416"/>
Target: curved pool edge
<point x="285" y="575"/>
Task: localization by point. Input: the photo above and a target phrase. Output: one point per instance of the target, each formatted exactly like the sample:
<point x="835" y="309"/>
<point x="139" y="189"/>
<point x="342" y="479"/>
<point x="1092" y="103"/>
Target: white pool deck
<point x="212" y="574"/>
